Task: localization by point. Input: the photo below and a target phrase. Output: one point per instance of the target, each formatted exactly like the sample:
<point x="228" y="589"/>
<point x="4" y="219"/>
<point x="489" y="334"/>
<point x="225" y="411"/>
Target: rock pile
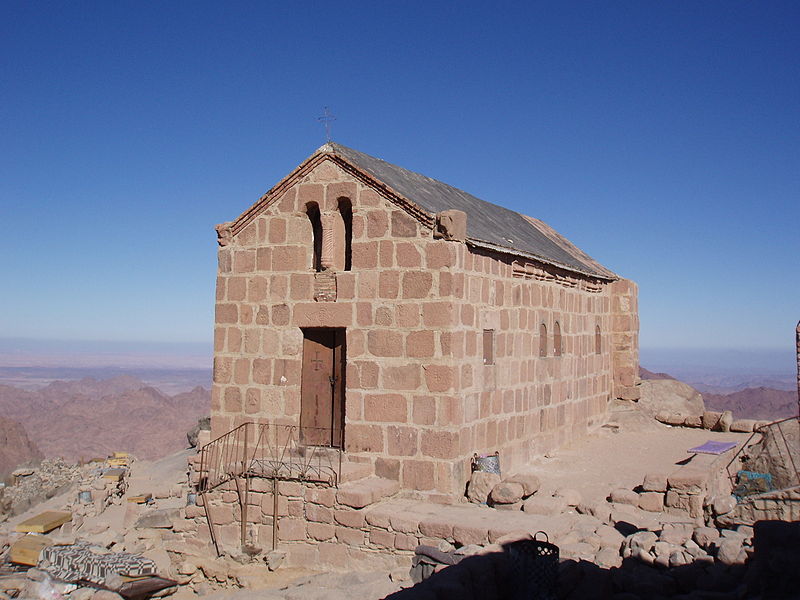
<point x="35" y="485"/>
<point x="710" y="420"/>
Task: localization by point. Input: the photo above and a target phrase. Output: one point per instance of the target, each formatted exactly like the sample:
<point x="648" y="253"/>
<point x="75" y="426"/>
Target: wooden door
<point x="322" y="387"/>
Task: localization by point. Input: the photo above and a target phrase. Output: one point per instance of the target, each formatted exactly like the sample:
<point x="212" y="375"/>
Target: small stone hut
<point x="412" y="325"/>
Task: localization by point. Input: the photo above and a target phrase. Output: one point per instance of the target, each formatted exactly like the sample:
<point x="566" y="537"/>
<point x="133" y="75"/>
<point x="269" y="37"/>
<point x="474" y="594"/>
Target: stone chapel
<point x="413" y="325"/>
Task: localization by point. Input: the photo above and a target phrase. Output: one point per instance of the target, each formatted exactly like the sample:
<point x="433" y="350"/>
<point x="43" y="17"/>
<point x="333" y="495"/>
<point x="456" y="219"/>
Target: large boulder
<point x="670" y="396"/>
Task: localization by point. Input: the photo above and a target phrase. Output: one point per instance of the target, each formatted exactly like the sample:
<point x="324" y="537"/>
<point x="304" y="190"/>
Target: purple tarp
<point x="713" y="448"/>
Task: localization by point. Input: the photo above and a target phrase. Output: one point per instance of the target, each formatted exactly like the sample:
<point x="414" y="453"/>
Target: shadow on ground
<point x="772" y="571"/>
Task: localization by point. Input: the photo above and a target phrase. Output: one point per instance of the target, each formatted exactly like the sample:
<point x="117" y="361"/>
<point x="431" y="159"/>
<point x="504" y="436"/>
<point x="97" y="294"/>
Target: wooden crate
<point x="26" y="550"/>
<point x="44" y="522"/>
<point x="113" y="474"/>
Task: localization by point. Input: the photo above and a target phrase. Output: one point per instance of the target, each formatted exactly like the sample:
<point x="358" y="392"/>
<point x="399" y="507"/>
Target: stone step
<point x="361" y="493"/>
<point x="353" y="471"/>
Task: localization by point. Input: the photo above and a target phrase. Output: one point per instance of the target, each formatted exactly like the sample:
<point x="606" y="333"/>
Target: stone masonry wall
<point x="419" y="399"/>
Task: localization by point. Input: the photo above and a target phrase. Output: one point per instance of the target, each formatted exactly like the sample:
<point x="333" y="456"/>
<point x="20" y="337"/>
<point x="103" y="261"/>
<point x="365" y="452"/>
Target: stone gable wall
<point x="419" y="400"/>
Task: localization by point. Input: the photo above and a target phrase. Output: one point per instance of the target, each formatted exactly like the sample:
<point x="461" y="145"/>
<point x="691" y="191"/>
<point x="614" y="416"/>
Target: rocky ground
<point x="593" y="499"/>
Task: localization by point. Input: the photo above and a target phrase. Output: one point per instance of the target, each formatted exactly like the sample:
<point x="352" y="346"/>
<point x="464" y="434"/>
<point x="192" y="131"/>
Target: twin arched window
<point x="558" y="344"/>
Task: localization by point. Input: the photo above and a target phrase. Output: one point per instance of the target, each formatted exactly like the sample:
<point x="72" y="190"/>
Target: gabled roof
<point x="488" y="224"/>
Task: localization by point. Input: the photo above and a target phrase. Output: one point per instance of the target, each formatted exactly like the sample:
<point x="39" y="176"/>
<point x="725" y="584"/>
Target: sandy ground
<point x="615" y="457"/>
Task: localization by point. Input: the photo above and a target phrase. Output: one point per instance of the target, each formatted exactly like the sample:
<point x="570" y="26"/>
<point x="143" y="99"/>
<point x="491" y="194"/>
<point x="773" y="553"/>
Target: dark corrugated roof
<point x="486" y="222"/>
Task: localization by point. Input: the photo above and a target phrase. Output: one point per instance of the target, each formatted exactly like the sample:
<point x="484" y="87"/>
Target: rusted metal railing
<point x="267" y="450"/>
<point x="772" y="452"/>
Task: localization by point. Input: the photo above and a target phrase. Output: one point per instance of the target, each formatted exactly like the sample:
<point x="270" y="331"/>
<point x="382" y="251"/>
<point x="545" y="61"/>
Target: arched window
<point x="312" y="210"/>
<point x="542" y="339"/>
<point x="346" y="211"/>
<point x="597" y="340"/>
<point x="557" y="339"/>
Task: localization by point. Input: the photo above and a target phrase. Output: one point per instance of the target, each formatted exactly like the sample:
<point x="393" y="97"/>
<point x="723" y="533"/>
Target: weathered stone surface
<point x="710" y="419"/>
<point x="530" y="482"/>
<point x="157" y="519"/>
<point x="507" y="492"/>
<point x="544" y="505"/>
<point x="670" y="396"/>
<point x="571" y="496"/>
<point x="730" y="551"/>
<point x="725" y="420"/>
<point x="676" y="533"/>
<point x="651" y="501"/>
<point x="642" y="540"/>
<point x="705" y="537"/>
<point x="609" y="537"/>
<point x="743" y="425"/>
<point x="480" y="486"/>
<point x="624" y="496"/>
<point x="655" y="482"/>
<point x="723" y="504"/>
<point x="693" y="421"/>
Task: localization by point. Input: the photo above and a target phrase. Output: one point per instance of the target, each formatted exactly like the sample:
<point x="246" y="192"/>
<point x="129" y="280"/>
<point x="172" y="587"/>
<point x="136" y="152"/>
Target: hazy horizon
<point x="20" y="352"/>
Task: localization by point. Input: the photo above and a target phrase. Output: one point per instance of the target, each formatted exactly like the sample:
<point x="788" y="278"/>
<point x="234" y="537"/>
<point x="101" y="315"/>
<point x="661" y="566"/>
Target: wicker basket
<point x="534" y="567"/>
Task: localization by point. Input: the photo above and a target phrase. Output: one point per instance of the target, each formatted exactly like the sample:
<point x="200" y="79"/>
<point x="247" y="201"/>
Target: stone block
<point x="743" y="425"/>
<point x="440" y="378"/>
<point x="654" y="482"/>
<point x="323" y="496"/>
<point x="480" y="486"/>
<point x="624" y="496"/>
<point x="545" y="505"/>
<point x="693" y="421"/>
<point x="417" y="284"/>
<point x="725" y="421"/>
<point x="530" y="483"/>
<point x="676" y="533"/>
<point x="436" y="527"/>
<point x="354" y="496"/>
<point x="419" y="475"/>
<point x="291" y="529"/>
<point x="440" y="444"/>
<point x="318" y="514"/>
<point x="379" y="537"/>
<point x="651" y="501"/>
<point x="405" y="522"/>
<point x="507" y="493"/>
<point x="320" y="531"/>
<point x="350" y="518"/>
<point x="404" y="541"/>
<point x="465" y="533"/>
<point x="710" y="419"/>
<point x="451" y="225"/>
<point x="420" y="344"/>
<point x="724" y="504"/>
<point x="385" y="408"/>
<point x="688" y="481"/>
<point x="351" y="537"/>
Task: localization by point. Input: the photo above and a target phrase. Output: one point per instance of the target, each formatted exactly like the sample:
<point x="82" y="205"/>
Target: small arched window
<point x="312" y="210"/>
<point x="557" y="339"/>
<point x="346" y="211"/>
<point x="597" y="340"/>
<point x="542" y="339"/>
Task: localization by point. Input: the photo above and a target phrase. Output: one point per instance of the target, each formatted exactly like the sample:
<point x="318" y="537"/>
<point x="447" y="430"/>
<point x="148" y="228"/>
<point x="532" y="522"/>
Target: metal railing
<point x="274" y="451"/>
<point x="767" y="465"/>
<point x="267" y="450"/>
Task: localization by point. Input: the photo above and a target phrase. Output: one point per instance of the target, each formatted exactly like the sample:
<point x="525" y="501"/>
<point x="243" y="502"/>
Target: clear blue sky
<point x="661" y="137"/>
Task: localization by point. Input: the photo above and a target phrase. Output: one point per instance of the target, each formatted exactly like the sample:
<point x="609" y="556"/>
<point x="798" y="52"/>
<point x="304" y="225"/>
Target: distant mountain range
<point x="88" y="418"/>
<point x="762" y="403"/>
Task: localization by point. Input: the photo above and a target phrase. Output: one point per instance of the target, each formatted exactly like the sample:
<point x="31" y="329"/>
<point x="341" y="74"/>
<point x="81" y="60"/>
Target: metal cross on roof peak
<point x="326" y="119"/>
